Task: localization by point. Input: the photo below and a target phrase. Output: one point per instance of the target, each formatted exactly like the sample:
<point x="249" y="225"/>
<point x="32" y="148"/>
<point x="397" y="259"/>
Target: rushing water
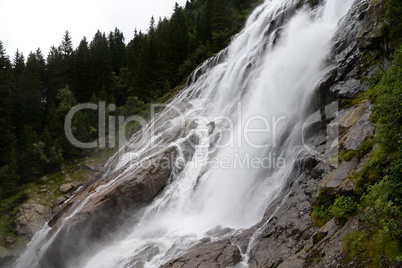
<point x="256" y="93"/>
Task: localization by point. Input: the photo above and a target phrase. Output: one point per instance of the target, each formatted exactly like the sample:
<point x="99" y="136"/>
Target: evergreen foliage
<point x="37" y="93"/>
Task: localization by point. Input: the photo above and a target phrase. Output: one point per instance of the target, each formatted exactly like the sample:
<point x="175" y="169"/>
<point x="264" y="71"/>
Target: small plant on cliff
<point x="343" y="208"/>
<point x="321" y="212"/>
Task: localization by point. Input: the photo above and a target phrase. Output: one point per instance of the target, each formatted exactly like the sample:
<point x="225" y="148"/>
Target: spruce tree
<point x="6" y="107"/>
<point x="101" y="64"/>
<point x="83" y="73"/>
<point x="118" y="50"/>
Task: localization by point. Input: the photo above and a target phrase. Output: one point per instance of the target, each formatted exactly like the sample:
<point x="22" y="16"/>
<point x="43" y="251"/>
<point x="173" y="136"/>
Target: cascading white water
<point x="262" y="85"/>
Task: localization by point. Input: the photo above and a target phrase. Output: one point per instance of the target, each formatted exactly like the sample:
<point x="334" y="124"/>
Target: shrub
<point x="321" y="212"/>
<point x="343" y="208"/>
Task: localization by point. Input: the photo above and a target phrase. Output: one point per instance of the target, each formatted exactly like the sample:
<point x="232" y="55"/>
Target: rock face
<point x="31" y="218"/>
<point x="106" y="211"/>
<point x="335" y="179"/>
<point x="219" y="254"/>
<point x="5" y="256"/>
<point x="370" y="35"/>
<point x="286" y="236"/>
<point x="362" y="128"/>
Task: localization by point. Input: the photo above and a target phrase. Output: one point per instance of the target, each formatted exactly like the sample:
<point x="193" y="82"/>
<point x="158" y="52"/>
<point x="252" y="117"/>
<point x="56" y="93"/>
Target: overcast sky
<point x="31" y="24"/>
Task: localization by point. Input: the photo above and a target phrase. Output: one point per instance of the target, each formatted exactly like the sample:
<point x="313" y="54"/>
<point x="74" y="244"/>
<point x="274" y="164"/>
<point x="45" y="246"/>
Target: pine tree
<point x="179" y="40"/>
<point x="30" y="94"/>
<point x="55" y="73"/>
<point x="101" y="64"/>
<point x="9" y="178"/>
<point x="7" y="136"/>
<point x="118" y="50"/>
<point x="30" y="163"/>
<point x="67" y="59"/>
<point x="66" y="46"/>
<point x="18" y="66"/>
<point x="83" y="87"/>
<point x="204" y="28"/>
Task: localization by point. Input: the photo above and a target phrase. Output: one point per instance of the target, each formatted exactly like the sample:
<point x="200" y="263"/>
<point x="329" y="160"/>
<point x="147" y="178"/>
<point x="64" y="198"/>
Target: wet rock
<point x="145" y="255"/>
<point x="31" y="218"/>
<point x="76" y="184"/>
<point x="370" y="34"/>
<point x="187" y="151"/>
<point x="194" y="140"/>
<point x="60" y="200"/>
<point x="349" y="88"/>
<point x="4" y="252"/>
<point x="65" y="188"/>
<point x="219" y="254"/>
<point x="335" y="179"/>
<point x="191" y="125"/>
<point x="108" y="210"/>
<point x="214" y="140"/>
<point x="329" y="252"/>
<point x="350" y="117"/>
<point x="288" y="226"/>
<point x="5" y="256"/>
<point x="296" y="263"/>
<point x="359" y="132"/>
<point x="211" y="127"/>
<point x="206" y="240"/>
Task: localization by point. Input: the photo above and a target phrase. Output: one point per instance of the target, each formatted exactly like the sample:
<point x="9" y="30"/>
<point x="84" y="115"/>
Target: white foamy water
<point x="256" y="96"/>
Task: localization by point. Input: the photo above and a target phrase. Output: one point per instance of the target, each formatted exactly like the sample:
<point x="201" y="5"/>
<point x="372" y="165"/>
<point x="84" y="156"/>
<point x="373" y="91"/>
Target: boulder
<point x="211" y="127"/>
<point x="65" y="188"/>
<point x="44" y="179"/>
<point x="31" y="218"/>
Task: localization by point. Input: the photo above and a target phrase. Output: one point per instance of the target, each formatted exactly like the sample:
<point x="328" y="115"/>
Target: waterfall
<point x="247" y="106"/>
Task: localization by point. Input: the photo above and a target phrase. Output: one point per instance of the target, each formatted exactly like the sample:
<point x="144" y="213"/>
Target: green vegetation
<point x="321" y="210"/>
<point x="393" y="15"/>
<point x="45" y="192"/>
<point x="363" y="150"/>
<point x="343" y="208"/>
<point x="327" y="206"/>
<point x="380" y="181"/>
<point x="377" y="196"/>
<point x="36" y="92"/>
